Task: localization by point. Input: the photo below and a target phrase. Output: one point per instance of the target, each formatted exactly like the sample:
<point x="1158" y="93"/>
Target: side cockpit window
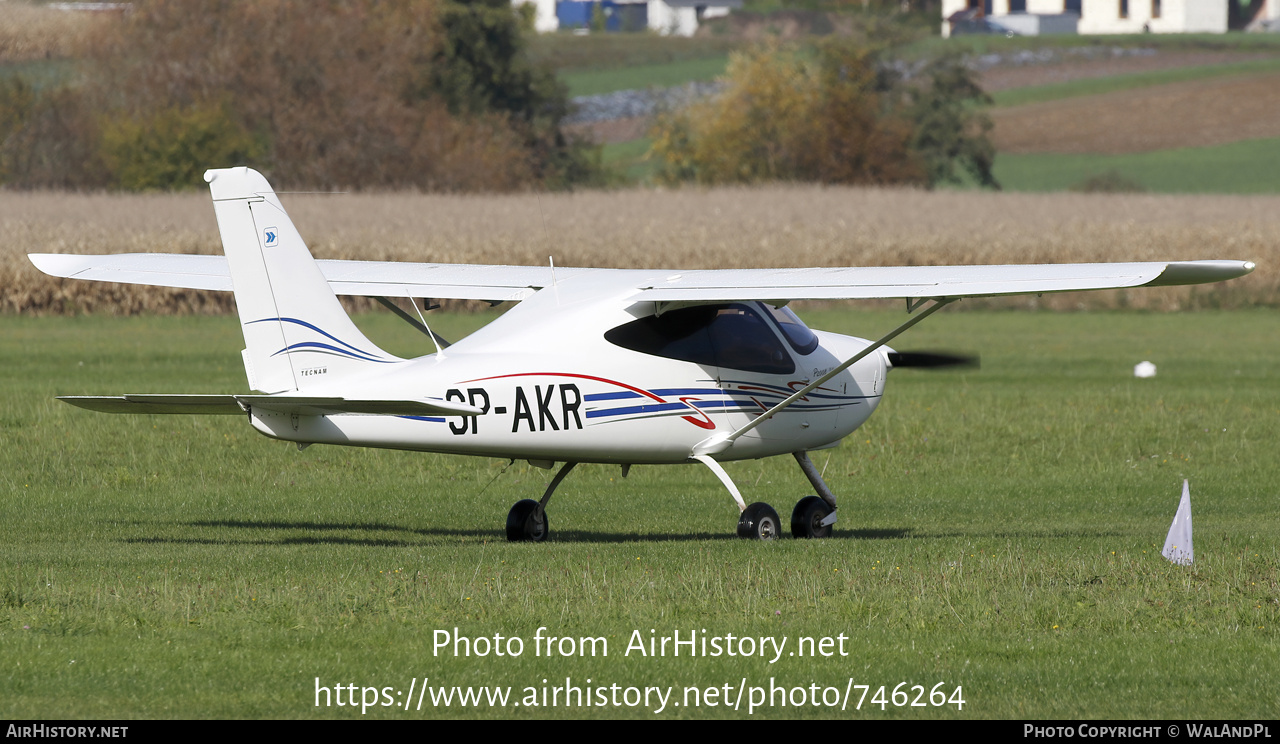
<point x="734" y="336"/>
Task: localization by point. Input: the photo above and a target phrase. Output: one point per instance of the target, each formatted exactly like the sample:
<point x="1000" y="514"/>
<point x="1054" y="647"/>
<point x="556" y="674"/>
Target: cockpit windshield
<point x="796" y="332"/>
<point x="734" y="336"/>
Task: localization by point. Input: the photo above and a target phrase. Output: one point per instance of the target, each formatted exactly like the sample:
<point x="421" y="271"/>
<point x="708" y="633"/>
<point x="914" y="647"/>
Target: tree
<point x="432" y="94"/>
<point x="482" y="65"/>
<point x="949" y="127"/>
<point x="840" y="114"/>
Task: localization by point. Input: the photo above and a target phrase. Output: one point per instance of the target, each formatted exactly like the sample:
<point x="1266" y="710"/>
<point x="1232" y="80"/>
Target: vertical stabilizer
<point x="296" y="334"/>
<point x="1177" y="546"/>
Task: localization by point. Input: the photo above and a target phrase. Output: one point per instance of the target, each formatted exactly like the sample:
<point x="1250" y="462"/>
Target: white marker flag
<point x="1177" y="546"/>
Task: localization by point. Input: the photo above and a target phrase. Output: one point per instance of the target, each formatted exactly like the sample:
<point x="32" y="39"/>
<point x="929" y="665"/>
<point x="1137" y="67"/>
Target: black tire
<point x="806" y="518"/>
<point x="759" y="522"/>
<point x="527" y="522"/>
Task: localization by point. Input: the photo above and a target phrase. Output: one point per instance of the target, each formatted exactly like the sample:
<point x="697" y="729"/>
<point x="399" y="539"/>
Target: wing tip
<point x="53" y="264"/>
<point x="1200" y="272"/>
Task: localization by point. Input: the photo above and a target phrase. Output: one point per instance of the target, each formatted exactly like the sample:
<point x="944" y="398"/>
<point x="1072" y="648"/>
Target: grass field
<point x="566" y="52"/>
<point x="1000" y="532"/>
<point x="631" y="159"/>
<point x="994" y="43"/>
<point x="1248" y="167"/>
<point x="660" y="75"/>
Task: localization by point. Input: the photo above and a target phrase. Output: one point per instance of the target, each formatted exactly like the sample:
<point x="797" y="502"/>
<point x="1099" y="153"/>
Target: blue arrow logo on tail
<point x="272" y="236"/>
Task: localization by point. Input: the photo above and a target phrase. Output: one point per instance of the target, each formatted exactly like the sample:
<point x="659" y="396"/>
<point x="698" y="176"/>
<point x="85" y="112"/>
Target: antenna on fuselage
<point x="546" y="234"/>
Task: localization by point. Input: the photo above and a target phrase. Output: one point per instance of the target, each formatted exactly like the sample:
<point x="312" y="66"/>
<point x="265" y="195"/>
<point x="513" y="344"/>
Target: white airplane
<point x="592" y="365"/>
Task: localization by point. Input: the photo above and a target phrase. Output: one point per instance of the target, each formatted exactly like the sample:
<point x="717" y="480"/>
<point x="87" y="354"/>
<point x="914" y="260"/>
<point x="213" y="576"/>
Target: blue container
<point x="617" y="16"/>
<point x="574" y="13"/>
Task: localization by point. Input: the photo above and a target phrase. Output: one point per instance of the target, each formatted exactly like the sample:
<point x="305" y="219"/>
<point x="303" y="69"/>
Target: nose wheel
<point x="808" y="516"/>
<point x="812" y="517"/>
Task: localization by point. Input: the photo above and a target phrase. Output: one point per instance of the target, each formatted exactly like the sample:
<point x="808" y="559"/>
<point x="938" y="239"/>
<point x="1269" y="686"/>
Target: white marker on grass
<point x="1177" y="546"/>
<point x="1144" y="369"/>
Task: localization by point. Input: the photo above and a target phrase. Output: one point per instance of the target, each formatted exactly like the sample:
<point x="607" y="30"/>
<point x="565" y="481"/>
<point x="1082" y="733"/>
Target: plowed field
<point x="998" y="79"/>
<point x="1195" y="113"/>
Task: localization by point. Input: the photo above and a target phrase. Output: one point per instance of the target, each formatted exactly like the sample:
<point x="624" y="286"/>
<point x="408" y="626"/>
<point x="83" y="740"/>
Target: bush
<point x="948" y="130"/>
<point x="171" y="149"/>
<point x="1109" y="182"/>
<point x="48" y="140"/>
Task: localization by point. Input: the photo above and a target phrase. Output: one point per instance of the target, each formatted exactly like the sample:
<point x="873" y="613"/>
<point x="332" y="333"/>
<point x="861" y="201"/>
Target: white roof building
<point x="1031" y="17"/>
<point x="674" y="17"/>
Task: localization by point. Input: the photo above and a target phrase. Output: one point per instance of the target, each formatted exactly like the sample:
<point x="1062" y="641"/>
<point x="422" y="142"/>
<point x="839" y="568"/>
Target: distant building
<point x="1033" y="17"/>
<point x="675" y="17"/>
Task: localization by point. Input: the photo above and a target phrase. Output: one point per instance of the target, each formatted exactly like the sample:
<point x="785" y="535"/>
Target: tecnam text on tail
<point x="648" y="366"/>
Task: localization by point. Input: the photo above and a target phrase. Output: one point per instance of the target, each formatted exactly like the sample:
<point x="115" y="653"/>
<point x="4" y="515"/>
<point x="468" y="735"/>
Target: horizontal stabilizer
<point x="232" y="404"/>
<point x="154" y="269"/>
<point x="198" y="404"/>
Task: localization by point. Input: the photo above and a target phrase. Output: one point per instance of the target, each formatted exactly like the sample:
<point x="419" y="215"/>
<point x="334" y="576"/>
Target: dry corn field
<point x="775" y="226"/>
<point x="29" y="31"/>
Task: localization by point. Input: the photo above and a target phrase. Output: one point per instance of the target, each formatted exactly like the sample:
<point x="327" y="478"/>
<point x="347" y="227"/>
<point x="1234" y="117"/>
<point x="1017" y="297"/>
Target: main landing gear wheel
<point x="527" y="522"/>
<point x="806" y="518"/>
<point x="759" y="522"/>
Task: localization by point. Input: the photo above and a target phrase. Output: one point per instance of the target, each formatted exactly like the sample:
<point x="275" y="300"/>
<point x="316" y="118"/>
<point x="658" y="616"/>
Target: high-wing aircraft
<point x="591" y="365"/>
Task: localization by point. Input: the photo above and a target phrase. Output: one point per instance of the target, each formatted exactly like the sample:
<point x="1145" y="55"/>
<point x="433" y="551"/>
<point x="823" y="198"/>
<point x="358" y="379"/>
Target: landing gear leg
<point x="813" y="516"/>
<point x="527" y="520"/>
<point x="758" y="521"/>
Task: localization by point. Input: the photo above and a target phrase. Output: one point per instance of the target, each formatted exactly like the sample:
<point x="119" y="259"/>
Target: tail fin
<point x="296" y="334"/>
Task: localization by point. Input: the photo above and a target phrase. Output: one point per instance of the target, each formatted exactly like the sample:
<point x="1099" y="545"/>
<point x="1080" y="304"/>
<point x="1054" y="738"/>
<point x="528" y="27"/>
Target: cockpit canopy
<point x="737" y="336"/>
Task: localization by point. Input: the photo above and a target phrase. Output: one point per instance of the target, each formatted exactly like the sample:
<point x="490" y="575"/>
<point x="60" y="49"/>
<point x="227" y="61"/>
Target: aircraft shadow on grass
<point x="885" y="533"/>
<point x="567" y="536"/>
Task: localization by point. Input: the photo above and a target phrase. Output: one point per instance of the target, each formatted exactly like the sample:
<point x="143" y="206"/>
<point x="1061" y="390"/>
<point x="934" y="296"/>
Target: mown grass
<point x="1246" y="167"/>
<point x="1000" y="531"/>
<point x="1094" y="86"/>
<point x="40" y="74"/>
<point x="661" y="75"/>
<point x="994" y="43"/>
<point x="631" y="160"/>
<point x="568" y="52"/>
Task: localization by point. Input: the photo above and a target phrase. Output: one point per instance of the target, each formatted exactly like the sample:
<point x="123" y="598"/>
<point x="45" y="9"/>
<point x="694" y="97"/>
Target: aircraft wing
<point x="515" y="283"/>
<point x="362" y="278"/>
<point x="233" y="404"/>
<point x="916" y="282"/>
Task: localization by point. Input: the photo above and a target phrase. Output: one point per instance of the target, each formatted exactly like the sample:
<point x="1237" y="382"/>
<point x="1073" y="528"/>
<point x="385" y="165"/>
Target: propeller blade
<point x="932" y="360"/>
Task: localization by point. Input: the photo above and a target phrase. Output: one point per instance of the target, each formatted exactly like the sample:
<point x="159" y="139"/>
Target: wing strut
<point x="406" y="317"/>
<point x="720" y="442"/>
